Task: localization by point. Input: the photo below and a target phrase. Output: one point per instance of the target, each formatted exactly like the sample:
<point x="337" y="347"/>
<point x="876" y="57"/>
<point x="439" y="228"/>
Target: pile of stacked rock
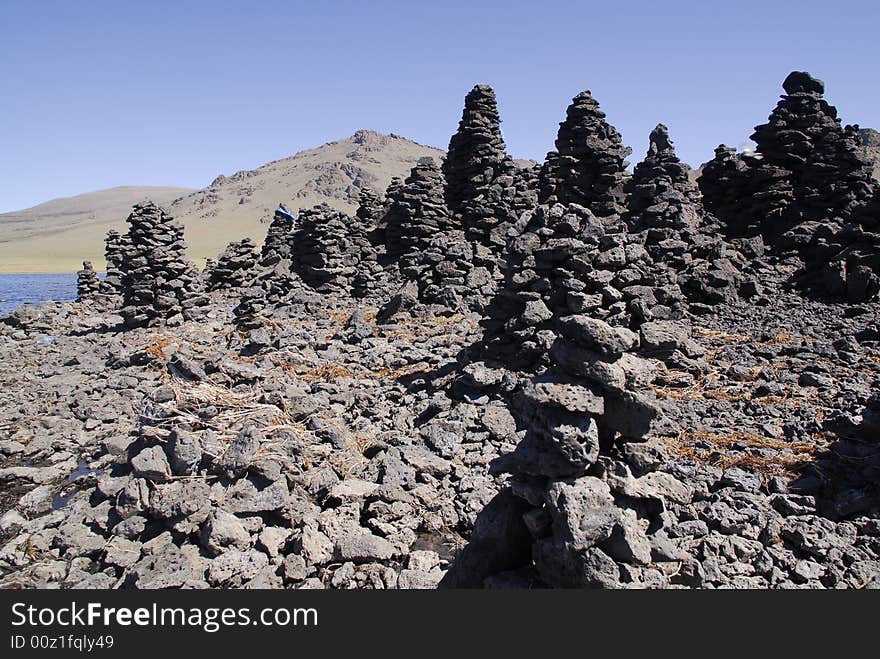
<point x="159" y="283"/>
<point x="332" y="253"/>
<point x="446" y="230"/>
<point x="371" y="207"/>
<point x="114" y="251"/>
<point x="234" y="268"/>
<point x="585" y="504"/>
<point x="278" y="243"/>
<point x="804" y="182"/>
<point x="417" y="213"/>
<point x="272" y="284"/>
<point x="588" y="167"/>
<point x="567" y="262"/>
<point x="837" y="180"/>
<point x="391" y="193"/>
<point x="250" y="312"/>
<point x="725" y="185"/>
<point x="664" y="206"/>
<point x="484" y="188"/>
<point x="849" y="261"/>
<point x="88" y="286"/>
<point x="433" y="253"/>
<point x="476" y="158"/>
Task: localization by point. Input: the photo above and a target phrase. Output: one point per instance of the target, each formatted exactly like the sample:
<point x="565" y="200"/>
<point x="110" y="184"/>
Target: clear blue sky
<point x="97" y="94"/>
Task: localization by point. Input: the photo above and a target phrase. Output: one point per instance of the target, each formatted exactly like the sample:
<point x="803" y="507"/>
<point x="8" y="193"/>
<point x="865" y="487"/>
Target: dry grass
<point x="369" y="313"/>
<point x="707" y="388"/>
<point x="718" y="336"/>
<point x="156" y="349"/>
<point x="235" y="410"/>
<point x="326" y="372"/>
<point x="411" y="329"/>
<point x="791" y="454"/>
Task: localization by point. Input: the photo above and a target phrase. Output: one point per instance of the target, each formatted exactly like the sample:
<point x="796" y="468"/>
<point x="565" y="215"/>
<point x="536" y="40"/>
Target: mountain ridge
<point x="230" y="208"/>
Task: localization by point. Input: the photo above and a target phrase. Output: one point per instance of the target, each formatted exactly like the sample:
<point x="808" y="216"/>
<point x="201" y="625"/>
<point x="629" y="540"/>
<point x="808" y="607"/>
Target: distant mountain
<point x="57" y="235"/>
<point x="236" y="206"/>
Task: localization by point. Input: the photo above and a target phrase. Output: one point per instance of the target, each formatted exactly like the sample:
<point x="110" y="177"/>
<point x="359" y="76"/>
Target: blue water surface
<point x="16" y="290"/>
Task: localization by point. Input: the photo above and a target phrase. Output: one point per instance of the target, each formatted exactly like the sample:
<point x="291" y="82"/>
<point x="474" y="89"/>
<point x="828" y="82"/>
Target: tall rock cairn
<point x="585" y="502"/>
<point x="332" y="253"/>
<point x="805" y="181"/>
<point x="416" y="210"/>
<point x="835" y="178"/>
<point x="371" y="207"/>
<point x="849" y="262"/>
<point x="588" y="167"/>
<point x="159" y="283"/>
<point x="234" y="267"/>
<point x="272" y="285"/>
<point x="567" y="262"/>
<point x="726" y="185"/>
<point x="483" y="186"/>
<point x="279" y="237"/>
<point x="88" y="286"/>
<point x="476" y="155"/>
<point x="665" y="206"/>
<point x="114" y="251"/>
<point x="417" y="215"/>
<point x="801" y="120"/>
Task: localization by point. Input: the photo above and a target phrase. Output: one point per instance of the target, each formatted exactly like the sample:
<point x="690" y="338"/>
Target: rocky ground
<point x="494" y="376"/>
<point x="356" y="455"/>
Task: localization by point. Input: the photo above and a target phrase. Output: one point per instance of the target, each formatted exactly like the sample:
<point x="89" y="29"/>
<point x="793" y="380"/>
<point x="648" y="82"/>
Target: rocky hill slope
<point x="58" y="235"/>
<point x="62" y="231"/>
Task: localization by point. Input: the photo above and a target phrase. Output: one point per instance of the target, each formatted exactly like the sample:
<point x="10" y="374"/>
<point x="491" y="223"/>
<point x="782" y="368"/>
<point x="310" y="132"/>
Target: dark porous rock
<point x="234" y="267"/>
<point x="588" y="167"/>
<point x="159" y="283"/>
<point x="333" y="254"/>
<point x="88" y="286"/>
<point x="665" y="207"/>
<point x="114" y="254"/>
<point x="567" y="263"/>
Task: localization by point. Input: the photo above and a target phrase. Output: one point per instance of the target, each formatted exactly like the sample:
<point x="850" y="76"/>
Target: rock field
<point x="495" y="376"/>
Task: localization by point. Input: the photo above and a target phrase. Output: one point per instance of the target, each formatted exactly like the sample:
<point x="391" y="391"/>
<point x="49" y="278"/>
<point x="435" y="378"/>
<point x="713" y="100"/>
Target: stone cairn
<point x="114" y="251"/>
<point x="584" y="505"/>
<point x="808" y="189"/>
<point x="159" y="283"/>
<point x="849" y="261"/>
<point x="567" y="262"/>
<point x="431" y="249"/>
<point x="476" y="155"/>
<point x="273" y="283"/>
<point x="278" y="244"/>
<point x="805" y="180"/>
<point x="484" y="188"/>
<point x="371" y="207"/>
<point x="725" y="183"/>
<point x="664" y="205"/>
<point x="332" y="253"/>
<point x="88" y="286"/>
<point x="234" y="268"/>
<point x="417" y="212"/>
<point x="588" y="167"/>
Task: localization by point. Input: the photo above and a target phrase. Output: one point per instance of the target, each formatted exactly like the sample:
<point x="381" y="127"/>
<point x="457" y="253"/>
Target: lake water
<point x="16" y="290"/>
